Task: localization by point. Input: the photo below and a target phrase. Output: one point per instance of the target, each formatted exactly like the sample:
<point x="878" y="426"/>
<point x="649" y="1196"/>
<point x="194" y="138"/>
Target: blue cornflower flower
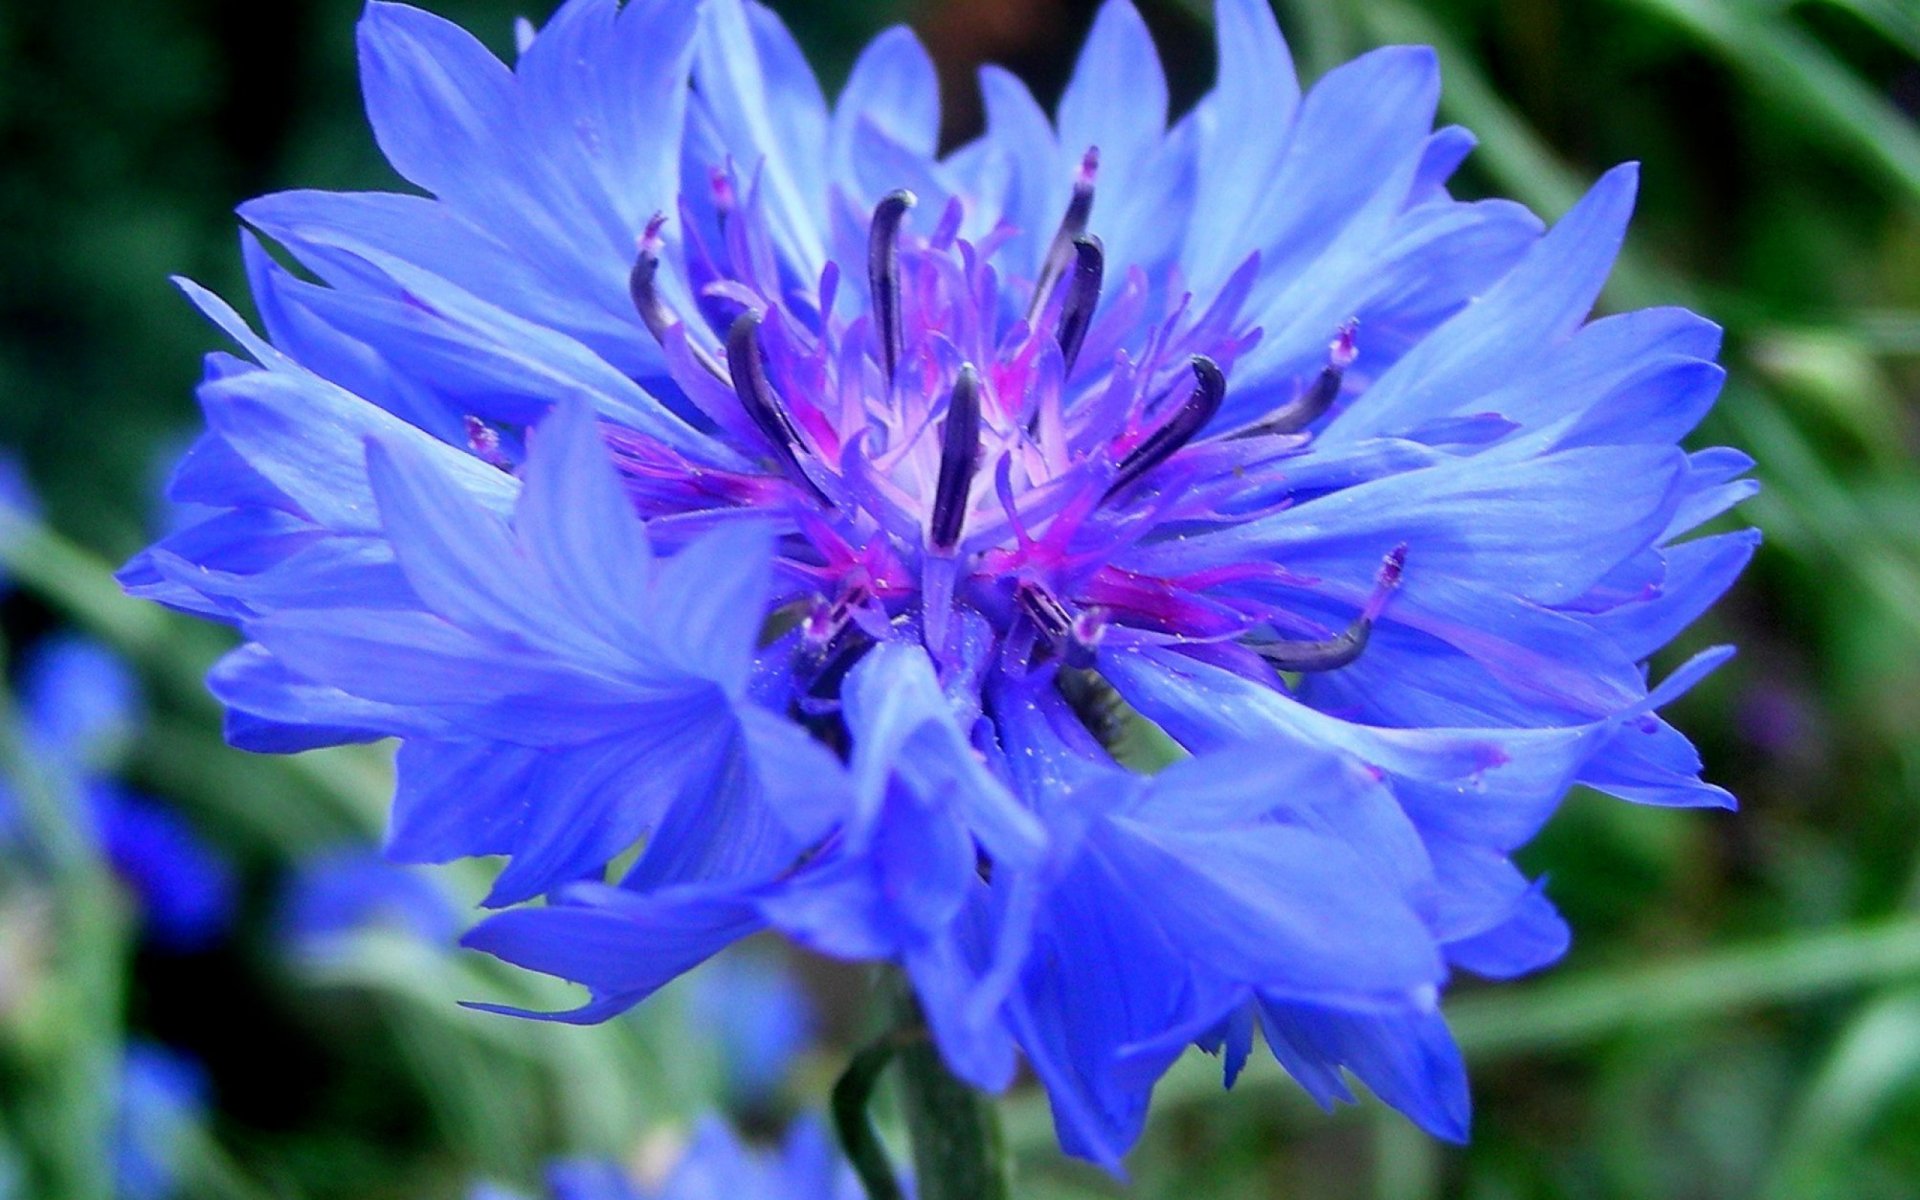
<point x="716" y="470"/>
<point x="715" y="1165"/>
<point x="757" y="1016"/>
<point x="351" y="889"/>
<point x="164" y="1099"/>
<point x="80" y="703"/>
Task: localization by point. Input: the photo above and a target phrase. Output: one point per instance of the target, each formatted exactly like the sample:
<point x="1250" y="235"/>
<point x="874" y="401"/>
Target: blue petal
<point x="1116" y="100"/>
<point x="1519" y="322"/>
<point x="902" y="723"/>
<point x="756" y="88"/>
<point x="575" y="525"/>
<point x="438" y="101"/>
<point x="1408" y="1059"/>
<point x="1547" y="528"/>
<point x="623" y="947"/>
<point x="308" y="438"/>
<point x="271" y="710"/>
<point x="1697" y="574"/>
<point x="1016" y="167"/>
<point x="1493" y="787"/>
<point x="894" y="86"/>
<point x="1354" y="150"/>
<point x="1274" y="905"/>
<point x="1246" y="126"/>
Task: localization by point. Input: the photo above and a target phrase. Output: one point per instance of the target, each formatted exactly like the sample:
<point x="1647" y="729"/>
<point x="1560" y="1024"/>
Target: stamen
<point x="654" y="314"/>
<point x="640" y="282"/>
<point x="759" y="400"/>
<point x="1210" y="388"/>
<point x="824" y="621"/>
<point x="1083" y="638"/>
<point x="1083" y="296"/>
<point x="1072" y="225"/>
<point x="1074" y="636"/>
<point x="725" y="198"/>
<point x="883" y="274"/>
<point x="1048" y="615"/>
<point x="484" y="440"/>
<point x="959" y="460"/>
<point x="1335" y="652"/>
<point x="1312" y="404"/>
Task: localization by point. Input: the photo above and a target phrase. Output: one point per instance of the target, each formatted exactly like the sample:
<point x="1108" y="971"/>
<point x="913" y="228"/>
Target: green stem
<point x="957" y="1149"/>
<point x="851" y="1095"/>
<point x="955" y="1130"/>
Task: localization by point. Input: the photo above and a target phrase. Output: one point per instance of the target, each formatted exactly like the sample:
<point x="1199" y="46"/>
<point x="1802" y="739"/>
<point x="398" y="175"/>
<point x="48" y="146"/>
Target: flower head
<point x="718" y="471"/>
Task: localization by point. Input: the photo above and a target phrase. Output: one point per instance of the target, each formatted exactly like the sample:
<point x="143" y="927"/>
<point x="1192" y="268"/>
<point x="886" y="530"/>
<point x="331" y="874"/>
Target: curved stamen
<point x="1072" y="225"/>
<point x="1210" y="388"/>
<point x="760" y="401"/>
<point x="1341" y="649"/>
<point x="643" y="287"/>
<point x="1312" y="404"/>
<point x="1083" y="296"/>
<point x="883" y="274"/>
<point x="959" y="460"/>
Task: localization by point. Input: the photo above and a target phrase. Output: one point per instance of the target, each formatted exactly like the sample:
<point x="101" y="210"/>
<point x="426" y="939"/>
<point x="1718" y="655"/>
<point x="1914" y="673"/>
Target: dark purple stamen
<point x="1075" y="637"/>
<point x="883" y="274"/>
<point x="1046" y="612"/>
<point x="1083" y="296"/>
<point x="759" y="400"/>
<point x="959" y="460"/>
<point x="654" y="314"/>
<point x="640" y="282"/>
<point x="1312" y="404"/>
<point x="1210" y="388"/>
<point x="1072" y="225"/>
<point x="1337" y="651"/>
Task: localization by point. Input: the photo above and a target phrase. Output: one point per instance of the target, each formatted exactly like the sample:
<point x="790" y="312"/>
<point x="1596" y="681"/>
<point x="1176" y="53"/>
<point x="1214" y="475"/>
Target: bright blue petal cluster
<point x="704" y="469"/>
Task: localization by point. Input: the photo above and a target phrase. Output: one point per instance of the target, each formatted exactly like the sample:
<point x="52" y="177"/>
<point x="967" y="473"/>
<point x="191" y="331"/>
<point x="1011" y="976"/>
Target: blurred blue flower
<point x="757" y="1016"/>
<point x="19" y="507"/>
<point x="80" y="703"/>
<point x="352" y="889"/>
<point x="184" y="888"/>
<point x="163" y="1100"/>
<point x="715" y="1166"/>
<point x="724" y="472"/>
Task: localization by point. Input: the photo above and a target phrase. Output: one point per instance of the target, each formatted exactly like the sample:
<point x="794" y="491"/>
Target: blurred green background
<point x="1740" y="1015"/>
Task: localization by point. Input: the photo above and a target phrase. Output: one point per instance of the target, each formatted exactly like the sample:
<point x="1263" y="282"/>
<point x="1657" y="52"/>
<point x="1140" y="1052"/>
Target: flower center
<point x="969" y="446"/>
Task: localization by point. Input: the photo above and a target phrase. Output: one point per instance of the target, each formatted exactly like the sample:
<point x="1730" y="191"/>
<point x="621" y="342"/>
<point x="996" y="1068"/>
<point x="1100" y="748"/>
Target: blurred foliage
<point x="1740" y="1015"/>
